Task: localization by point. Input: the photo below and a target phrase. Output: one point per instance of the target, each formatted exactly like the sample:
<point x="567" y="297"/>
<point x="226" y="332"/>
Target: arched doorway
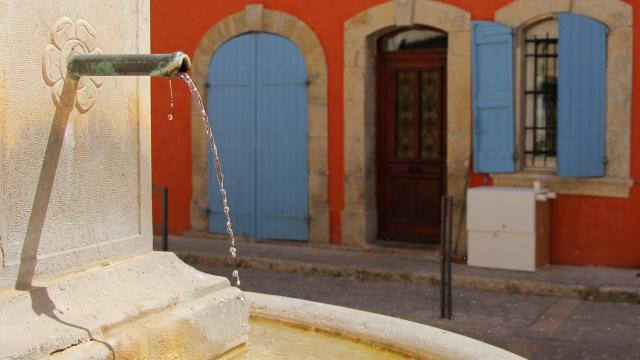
<point x="257" y="87"/>
<point x="411" y="133"/>
<point x="256" y="19"/>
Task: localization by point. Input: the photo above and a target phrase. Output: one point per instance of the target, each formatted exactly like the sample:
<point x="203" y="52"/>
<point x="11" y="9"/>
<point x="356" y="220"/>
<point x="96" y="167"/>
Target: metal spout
<point x="163" y="65"/>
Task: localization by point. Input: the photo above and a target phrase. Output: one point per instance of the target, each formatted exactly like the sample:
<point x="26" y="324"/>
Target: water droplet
<point x="170" y="116"/>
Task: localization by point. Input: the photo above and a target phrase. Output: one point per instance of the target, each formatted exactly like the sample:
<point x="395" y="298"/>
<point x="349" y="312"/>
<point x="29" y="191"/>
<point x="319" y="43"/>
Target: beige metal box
<point x="508" y="227"/>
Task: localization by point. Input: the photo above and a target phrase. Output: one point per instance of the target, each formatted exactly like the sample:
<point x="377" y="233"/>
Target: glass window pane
<point x="405" y="102"/>
<point x="415" y="39"/>
<point x="430" y="115"/>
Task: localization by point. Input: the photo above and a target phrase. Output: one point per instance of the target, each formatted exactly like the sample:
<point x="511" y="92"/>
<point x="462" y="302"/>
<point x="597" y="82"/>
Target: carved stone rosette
<point x="69" y="38"/>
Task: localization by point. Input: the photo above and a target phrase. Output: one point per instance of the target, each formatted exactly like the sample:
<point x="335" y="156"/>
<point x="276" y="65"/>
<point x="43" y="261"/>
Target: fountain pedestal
<point x="78" y="278"/>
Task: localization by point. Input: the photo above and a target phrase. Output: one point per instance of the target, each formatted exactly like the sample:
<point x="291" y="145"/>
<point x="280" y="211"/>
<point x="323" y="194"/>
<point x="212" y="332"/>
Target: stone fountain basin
<point x="401" y="336"/>
<point x="154" y="306"/>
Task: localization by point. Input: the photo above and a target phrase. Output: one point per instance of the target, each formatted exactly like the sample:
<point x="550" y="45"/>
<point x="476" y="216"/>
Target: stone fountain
<point x="78" y="277"/>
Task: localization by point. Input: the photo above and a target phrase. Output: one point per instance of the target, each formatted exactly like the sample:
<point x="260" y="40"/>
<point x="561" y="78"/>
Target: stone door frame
<point x="359" y="218"/>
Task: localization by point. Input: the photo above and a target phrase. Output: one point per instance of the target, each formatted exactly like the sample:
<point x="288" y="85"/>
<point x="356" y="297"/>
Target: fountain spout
<point x="163" y="65"/>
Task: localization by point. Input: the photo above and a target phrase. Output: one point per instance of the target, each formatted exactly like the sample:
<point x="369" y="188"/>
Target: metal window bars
<point x="541" y="125"/>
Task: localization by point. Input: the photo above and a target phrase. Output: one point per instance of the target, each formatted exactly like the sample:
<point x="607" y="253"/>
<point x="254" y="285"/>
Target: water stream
<point x="218" y="166"/>
<point x="170" y="115"/>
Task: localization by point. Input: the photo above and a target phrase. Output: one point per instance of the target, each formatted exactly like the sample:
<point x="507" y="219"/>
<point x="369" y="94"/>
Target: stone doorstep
<point x="602" y="293"/>
<point x="376" y="247"/>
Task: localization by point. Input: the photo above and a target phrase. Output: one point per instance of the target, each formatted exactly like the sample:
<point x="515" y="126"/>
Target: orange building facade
<point x="594" y="221"/>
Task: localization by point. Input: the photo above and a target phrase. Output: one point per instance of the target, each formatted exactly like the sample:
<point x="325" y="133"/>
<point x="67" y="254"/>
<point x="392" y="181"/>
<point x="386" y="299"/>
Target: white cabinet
<point x="508" y="227"/>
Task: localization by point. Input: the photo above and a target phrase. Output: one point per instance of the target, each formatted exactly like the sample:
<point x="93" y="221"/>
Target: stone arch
<point x="618" y="17"/>
<point x="359" y="224"/>
<point x="254" y="18"/>
<point x="615" y="13"/>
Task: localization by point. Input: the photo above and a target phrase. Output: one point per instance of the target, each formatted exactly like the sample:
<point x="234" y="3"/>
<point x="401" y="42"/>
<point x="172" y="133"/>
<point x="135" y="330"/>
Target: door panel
<point x="281" y="140"/>
<point x="402" y="195"/>
<point x="231" y="87"/>
<point x="258" y="107"/>
<point x="430" y="191"/>
<point x="411" y="145"/>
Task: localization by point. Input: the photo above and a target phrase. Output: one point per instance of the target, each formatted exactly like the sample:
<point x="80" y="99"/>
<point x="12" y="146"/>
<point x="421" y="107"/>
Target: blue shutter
<point x="581" y="96"/>
<point x="282" y="171"/>
<point x="493" y="141"/>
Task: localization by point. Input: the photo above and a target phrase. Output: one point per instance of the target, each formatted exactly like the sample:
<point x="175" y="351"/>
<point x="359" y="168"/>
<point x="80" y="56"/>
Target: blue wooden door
<point x="258" y="110"/>
<point x="231" y="83"/>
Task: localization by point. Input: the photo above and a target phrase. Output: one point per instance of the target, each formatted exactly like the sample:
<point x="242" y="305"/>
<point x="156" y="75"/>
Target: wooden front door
<point x="411" y="144"/>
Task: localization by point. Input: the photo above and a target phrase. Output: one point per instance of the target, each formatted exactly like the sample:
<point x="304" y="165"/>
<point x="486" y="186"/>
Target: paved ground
<point x="535" y="327"/>
<point x="414" y="265"/>
<point x="501" y="307"/>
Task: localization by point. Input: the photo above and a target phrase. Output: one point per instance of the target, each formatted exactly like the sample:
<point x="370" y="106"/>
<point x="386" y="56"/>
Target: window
<point x="414" y="39"/>
<point x="540" y="96"/>
<point x="562" y="121"/>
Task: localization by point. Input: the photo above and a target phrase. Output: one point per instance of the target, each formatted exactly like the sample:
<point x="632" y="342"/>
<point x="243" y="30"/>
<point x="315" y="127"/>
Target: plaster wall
<point x="595" y="229"/>
<point x="75" y="186"/>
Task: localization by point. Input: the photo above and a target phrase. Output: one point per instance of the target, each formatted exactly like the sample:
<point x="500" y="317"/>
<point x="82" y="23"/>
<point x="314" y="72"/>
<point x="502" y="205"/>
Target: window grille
<point x="541" y="101"/>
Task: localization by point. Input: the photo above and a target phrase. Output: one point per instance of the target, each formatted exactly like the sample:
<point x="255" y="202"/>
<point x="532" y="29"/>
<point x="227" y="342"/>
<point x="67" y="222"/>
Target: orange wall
<point x="586" y="230"/>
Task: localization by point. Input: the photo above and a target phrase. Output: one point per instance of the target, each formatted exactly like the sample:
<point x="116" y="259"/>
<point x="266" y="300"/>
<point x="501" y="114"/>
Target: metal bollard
<point x="446" y="247"/>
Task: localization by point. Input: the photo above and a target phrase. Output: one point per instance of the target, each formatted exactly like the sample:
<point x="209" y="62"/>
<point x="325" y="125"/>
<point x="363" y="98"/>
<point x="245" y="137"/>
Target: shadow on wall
<point x="41" y="302"/>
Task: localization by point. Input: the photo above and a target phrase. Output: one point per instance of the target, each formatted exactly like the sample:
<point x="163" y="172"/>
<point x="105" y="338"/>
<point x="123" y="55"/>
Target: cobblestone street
<point x="535" y="327"/>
